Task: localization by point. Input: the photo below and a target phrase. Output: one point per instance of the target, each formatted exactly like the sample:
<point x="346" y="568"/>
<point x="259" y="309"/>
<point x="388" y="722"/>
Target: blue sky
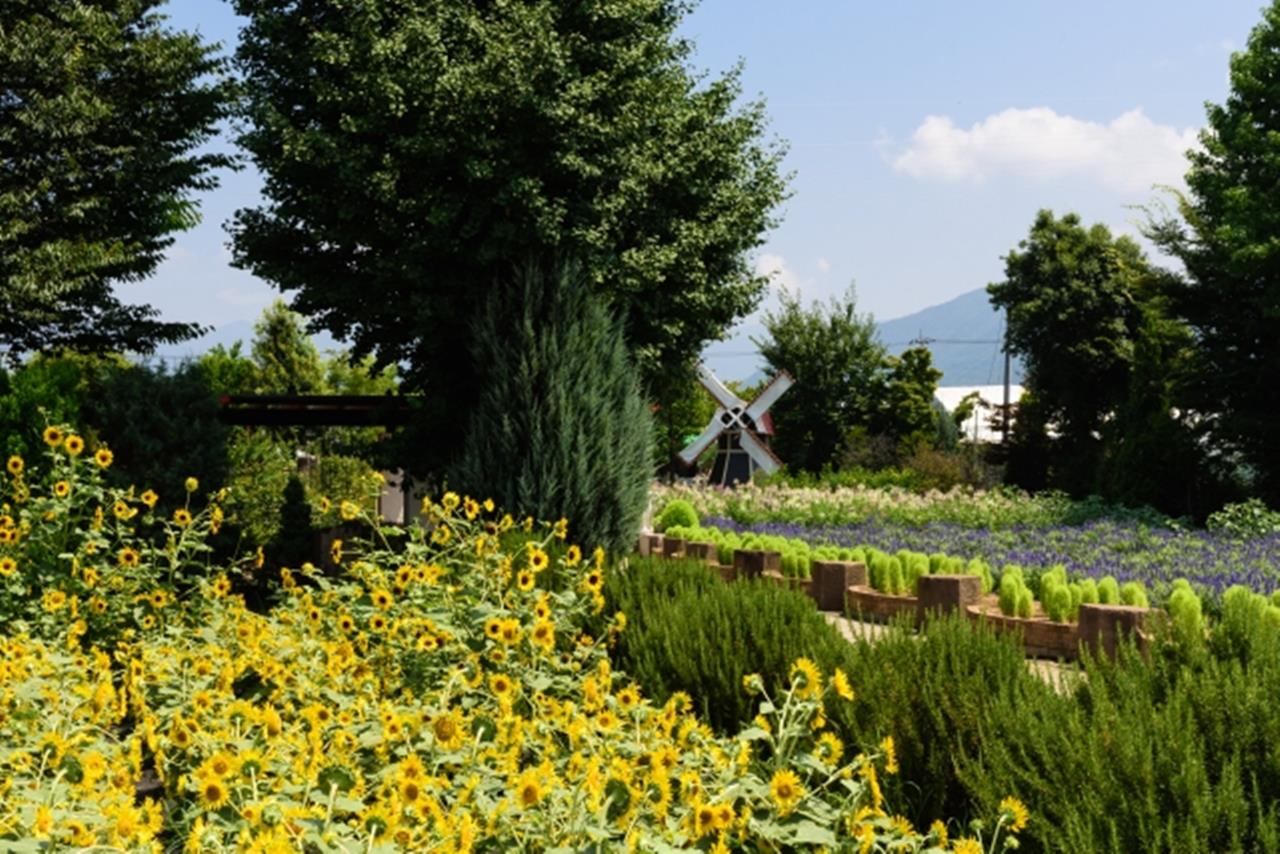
<point x="923" y="137"/>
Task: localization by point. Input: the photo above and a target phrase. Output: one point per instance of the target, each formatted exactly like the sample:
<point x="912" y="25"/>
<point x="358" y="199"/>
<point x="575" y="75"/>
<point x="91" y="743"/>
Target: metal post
<point x="1004" y="422"/>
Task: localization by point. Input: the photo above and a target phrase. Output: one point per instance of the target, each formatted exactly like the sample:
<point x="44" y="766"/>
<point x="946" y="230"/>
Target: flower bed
<point x="441" y="695"/>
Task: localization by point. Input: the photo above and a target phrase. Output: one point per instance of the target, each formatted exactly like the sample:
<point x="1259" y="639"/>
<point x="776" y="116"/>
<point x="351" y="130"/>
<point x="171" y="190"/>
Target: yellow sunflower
<point x="104" y="458"/>
<point x="15" y="465"/>
<point x="786" y="790"/>
<point x="806" y="677"/>
<point x="73" y="445"/>
<point x="53" y="436"/>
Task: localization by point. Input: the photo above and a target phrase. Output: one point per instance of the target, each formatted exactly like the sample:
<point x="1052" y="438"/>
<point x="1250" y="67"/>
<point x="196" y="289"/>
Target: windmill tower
<point x="740" y="430"/>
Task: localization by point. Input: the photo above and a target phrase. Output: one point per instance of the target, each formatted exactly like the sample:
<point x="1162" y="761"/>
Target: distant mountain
<point x="966" y="334"/>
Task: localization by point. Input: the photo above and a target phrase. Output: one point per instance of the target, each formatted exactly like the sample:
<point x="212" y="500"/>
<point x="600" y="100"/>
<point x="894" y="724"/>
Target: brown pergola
<point x="315" y="410"/>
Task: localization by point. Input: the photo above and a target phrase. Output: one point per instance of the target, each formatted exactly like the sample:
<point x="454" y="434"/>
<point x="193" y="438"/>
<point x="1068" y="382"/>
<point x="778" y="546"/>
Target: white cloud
<point x="824" y="266"/>
<point x="1128" y="154"/>
<point x="774" y="267"/>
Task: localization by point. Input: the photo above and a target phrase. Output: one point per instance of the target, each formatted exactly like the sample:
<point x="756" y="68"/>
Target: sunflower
<point x="1015" y="812"/>
<point x="15" y="465"/>
<point x="704" y="820"/>
<point x="525" y="580"/>
<point x="829" y="749"/>
<point x="149" y="498"/>
<point x="509" y="632"/>
<point x="73" y="445"/>
<point x="628" y="698"/>
<point x="378" y="623"/>
<point x="214" y="794"/>
<point x="8" y="566"/>
<point x="544" y="634"/>
<point x="221" y="585"/>
<point x="840" y="683"/>
<point x="62" y="489"/>
<point x="806" y="678"/>
<point x="786" y="790"/>
<point x="104" y="458"/>
<point x="382" y="598"/>
<point x="501" y="686"/>
<point x="346" y="623"/>
<point x="967" y="845"/>
<point x="128" y="558"/>
<point x="123" y="511"/>
<point x="593" y="581"/>
<point x="158" y="598"/>
<point x="538" y="559"/>
<point x="572" y="556"/>
<point x="561" y="528"/>
<point x="349" y="510"/>
<point x="542" y="608"/>
<point x="182" y="517"/>
<point x="191" y="484"/>
<point x="493" y="628"/>
<point x="52" y="436"/>
<point x="529" y="788"/>
<point x="471" y="507"/>
<point x="448" y="730"/>
<point x="890" y="755"/>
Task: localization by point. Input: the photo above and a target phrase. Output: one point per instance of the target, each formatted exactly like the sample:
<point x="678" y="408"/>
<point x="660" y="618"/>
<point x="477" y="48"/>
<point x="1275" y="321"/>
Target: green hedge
<point x="1176" y="753"/>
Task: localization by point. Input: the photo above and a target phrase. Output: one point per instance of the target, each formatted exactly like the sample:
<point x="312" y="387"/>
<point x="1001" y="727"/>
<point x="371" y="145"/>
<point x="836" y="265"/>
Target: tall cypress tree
<point x="560" y="427"/>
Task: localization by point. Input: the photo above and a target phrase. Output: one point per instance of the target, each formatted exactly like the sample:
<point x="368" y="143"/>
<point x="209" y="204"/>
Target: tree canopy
<point x="415" y="154"/>
<point x="1227" y="243"/>
<point x="103" y="112"/>
<point x="835" y="356"/>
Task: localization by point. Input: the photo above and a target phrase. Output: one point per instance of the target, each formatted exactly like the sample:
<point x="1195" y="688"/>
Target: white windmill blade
<point x="774" y="390"/>
<point x="723" y="396"/>
<point x="695" y="448"/>
<point x="759" y="451"/>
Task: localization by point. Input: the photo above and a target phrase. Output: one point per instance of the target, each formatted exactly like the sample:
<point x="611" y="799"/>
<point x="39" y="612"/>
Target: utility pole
<point x="1004" y="422"/>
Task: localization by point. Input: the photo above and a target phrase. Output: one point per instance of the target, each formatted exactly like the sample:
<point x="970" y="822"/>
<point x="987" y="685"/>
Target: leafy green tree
<point x="838" y="362"/>
<point x="1074" y="298"/>
<point x="907" y="410"/>
<point x="104" y="113"/>
<point x="286" y="357"/>
<point x="1226" y="242"/>
<point x="562" y="428"/>
<point x="414" y="152"/>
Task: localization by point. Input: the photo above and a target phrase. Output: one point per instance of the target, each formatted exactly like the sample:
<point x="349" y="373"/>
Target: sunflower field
<point x="433" y="690"/>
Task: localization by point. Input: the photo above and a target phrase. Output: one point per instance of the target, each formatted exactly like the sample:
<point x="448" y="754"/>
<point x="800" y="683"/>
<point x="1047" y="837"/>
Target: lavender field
<point x="1155" y="556"/>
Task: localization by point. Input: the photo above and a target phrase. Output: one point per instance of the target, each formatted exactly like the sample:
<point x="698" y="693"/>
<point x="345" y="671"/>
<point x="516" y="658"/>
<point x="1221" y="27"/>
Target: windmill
<point x="739" y="429"/>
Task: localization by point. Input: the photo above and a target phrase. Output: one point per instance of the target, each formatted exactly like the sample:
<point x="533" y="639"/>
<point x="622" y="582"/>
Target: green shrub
<point x="560" y="428"/>
<point x="1108" y="591"/>
<point x="677" y="512"/>
<point x="1186" y="616"/>
<point x="689" y="631"/>
<point x="1133" y="593"/>
<point x="1244" y="520"/>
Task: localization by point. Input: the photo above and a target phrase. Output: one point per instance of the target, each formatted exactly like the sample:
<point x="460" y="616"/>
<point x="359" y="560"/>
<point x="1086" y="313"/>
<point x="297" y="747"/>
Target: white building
<point x="977" y="427"/>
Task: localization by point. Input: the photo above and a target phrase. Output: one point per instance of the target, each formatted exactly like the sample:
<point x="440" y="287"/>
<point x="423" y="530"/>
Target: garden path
<point x="1055" y="673"/>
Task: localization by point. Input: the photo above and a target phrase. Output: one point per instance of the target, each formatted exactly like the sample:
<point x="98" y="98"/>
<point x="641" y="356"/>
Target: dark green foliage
<point x="413" y="152"/>
<point x="294" y="542"/>
<point x="1144" y="756"/>
<point x="560" y="428"/>
<point x="43" y="391"/>
<point x="1073" y="303"/>
<point x="103" y="116"/>
<point x="1175" y="753"/>
<point x="162" y="425"/>
<point x="1226" y="242"/>
<point x="837" y="360"/>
